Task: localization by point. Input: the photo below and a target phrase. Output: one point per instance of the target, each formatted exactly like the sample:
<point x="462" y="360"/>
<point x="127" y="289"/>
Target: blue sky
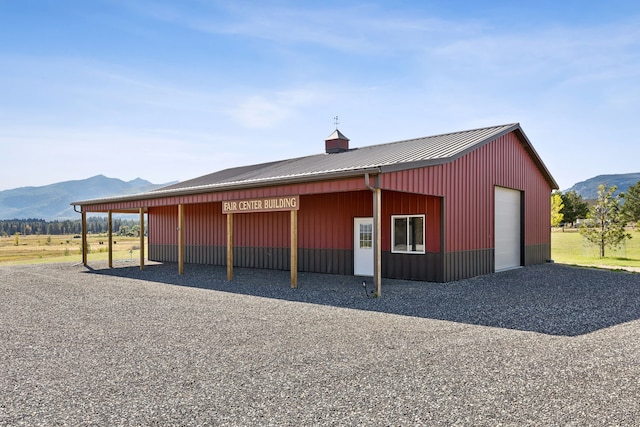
<point x="171" y="90"/>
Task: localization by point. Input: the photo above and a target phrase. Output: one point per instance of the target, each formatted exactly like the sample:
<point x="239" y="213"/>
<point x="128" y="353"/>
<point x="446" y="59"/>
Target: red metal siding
<point x="163" y="223"/>
<point x="325" y="221"/>
<point x="467" y="185"/>
<point x="395" y="203"/>
<point x="204" y="225"/>
<point x="268" y="229"/>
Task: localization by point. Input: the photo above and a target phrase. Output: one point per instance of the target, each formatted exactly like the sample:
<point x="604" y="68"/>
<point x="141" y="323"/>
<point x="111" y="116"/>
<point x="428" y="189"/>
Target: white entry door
<point x="363" y="246"/>
<point x="507" y="234"/>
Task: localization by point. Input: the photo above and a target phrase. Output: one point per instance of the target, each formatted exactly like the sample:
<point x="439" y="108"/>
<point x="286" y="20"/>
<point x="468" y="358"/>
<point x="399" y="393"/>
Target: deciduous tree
<point x="605" y="223"/>
<point x="556" y="209"/>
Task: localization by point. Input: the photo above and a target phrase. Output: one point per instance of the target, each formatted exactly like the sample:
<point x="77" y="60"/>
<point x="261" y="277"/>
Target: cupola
<point x="336" y="143"/>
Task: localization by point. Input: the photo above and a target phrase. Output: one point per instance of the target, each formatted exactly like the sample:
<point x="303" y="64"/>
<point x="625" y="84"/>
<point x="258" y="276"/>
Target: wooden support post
<point x="141" y="238"/>
<point x="110" y="237"/>
<point x="377" y="242"/>
<point x="229" y="246"/>
<point x="180" y="239"/>
<point x="84" y="238"/>
<point x="294" y="249"/>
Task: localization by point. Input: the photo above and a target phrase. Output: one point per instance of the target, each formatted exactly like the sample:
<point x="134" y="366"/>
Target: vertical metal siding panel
<point x="461" y="193"/>
<point x="164" y="230"/>
<point x="191" y="225"/>
<point x="188" y="226"/>
<point x="486" y="168"/>
<point x="444" y="175"/>
<point x="406" y="181"/>
<point x="478" y="202"/>
<point x="208" y="227"/>
<point x="196" y="225"/>
<point x="329" y="219"/>
<point x="153" y="226"/>
<point x="455" y="180"/>
<point x="319" y="225"/>
<point x="220" y="236"/>
<point x="458" y="204"/>
<point x="466" y="197"/>
<point x="472" y="200"/>
<point x="423" y="181"/>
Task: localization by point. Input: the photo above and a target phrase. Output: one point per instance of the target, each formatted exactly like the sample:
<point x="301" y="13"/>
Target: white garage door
<point x="507" y="228"/>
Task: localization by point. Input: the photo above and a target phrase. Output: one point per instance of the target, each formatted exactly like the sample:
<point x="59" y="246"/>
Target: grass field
<point x="40" y="249"/>
<point x="569" y="247"/>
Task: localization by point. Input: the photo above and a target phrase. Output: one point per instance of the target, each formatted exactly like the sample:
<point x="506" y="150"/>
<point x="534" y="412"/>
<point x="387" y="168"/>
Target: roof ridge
<point x="443" y="134"/>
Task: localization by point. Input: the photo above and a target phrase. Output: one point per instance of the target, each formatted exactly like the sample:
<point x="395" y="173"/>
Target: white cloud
<point x="258" y="112"/>
<point x="353" y="28"/>
<point x="271" y="110"/>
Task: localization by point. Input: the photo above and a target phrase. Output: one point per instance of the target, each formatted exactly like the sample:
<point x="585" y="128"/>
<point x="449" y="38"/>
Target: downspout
<point x="377" y="240"/>
<point x="366" y="182"/>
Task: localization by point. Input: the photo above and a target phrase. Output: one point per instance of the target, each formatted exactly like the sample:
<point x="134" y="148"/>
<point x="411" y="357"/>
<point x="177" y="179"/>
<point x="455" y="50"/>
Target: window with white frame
<point x="407" y="233"/>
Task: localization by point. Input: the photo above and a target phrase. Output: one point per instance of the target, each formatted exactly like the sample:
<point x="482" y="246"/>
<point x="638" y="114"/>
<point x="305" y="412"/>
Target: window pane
<point x="400" y="234"/>
<point x="366" y="235"/>
<point x="416" y="233"/>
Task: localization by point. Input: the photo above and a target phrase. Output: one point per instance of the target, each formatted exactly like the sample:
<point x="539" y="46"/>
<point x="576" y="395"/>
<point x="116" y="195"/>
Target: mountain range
<point x="51" y="202"/>
<point x="588" y="189"/>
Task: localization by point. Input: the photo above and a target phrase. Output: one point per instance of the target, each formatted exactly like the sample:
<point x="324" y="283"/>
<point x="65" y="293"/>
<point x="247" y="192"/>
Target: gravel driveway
<point x="550" y="345"/>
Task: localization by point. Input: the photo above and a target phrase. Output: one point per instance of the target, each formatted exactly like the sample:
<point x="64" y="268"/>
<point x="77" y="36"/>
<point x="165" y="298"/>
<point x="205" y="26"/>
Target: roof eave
<point x="217" y="188"/>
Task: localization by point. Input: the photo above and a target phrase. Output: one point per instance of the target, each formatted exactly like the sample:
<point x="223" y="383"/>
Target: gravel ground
<point x="549" y="344"/>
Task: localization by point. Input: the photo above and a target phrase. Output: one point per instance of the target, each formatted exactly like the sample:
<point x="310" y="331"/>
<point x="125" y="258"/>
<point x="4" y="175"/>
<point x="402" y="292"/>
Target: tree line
<point x="95" y="225"/>
<point x="605" y="220"/>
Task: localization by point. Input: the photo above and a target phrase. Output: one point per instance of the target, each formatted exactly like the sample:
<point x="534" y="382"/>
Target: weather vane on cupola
<point x="336" y="122"/>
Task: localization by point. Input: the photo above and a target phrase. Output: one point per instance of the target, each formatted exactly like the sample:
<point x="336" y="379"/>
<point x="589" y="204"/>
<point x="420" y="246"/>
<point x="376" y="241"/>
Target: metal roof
<point x="336" y="135"/>
<point x="394" y="156"/>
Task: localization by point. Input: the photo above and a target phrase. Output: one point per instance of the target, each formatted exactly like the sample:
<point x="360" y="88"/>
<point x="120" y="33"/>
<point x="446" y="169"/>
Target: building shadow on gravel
<point x="550" y="299"/>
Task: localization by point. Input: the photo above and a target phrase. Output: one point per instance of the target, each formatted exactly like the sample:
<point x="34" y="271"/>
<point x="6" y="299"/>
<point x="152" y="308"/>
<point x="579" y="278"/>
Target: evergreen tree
<point x="631" y="207"/>
<point x="574" y="207"/>
<point x="95" y="225"/>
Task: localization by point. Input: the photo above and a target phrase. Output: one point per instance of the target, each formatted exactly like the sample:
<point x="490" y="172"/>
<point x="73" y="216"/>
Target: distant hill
<point x="51" y="202"/>
<point x="589" y="189"/>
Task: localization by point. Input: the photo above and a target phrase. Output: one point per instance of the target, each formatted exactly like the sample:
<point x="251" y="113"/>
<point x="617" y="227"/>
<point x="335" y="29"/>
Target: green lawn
<point x="569" y="247"/>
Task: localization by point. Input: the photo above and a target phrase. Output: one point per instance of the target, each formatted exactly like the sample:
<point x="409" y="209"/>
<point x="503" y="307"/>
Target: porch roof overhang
<point x="227" y="186"/>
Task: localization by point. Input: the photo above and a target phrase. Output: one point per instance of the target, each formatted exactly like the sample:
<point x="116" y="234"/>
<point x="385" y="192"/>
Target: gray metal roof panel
<point x="430" y="149"/>
<point x="390" y="156"/>
<point x="336" y="134"/>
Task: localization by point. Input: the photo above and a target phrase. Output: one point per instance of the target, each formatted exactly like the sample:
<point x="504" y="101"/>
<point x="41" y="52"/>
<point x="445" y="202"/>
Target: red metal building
<point x="438" y="208"/>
